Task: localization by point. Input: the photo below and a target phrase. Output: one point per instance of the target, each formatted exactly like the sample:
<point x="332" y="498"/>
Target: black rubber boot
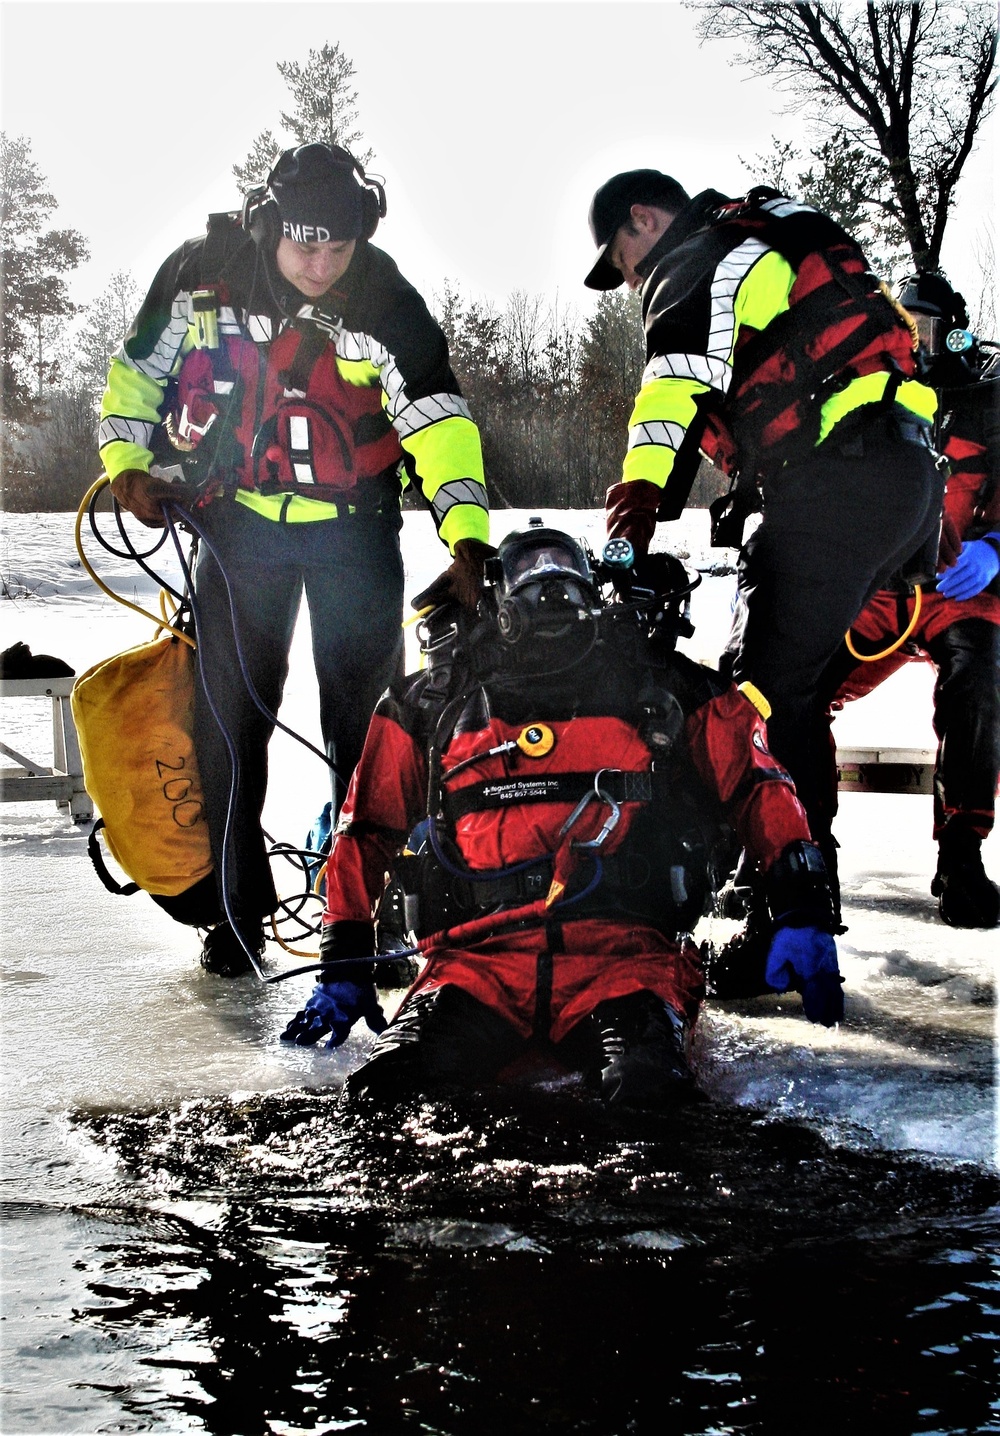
<point x="223" y="954"/>
<point x="966" y="896"/>
<point x="643" y="1041"/>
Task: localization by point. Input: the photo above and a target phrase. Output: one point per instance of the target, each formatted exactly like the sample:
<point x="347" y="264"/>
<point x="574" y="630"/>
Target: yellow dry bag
<point x="133" y="716"/>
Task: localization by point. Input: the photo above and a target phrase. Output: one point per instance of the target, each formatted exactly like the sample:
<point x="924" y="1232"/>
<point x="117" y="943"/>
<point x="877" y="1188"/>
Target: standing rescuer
<point x="955" y="623"/>
<point x="773" y="350"/>
<point x="286" y="380"/>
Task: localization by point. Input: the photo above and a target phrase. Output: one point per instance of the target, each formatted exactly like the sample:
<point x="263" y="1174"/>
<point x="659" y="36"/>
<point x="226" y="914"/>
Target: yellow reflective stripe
<point x="763" y="295"/>
<point x="912" y="395"/>
<point x="449" y="449"/>
<point x="135" y="398"/>
<point x="464" y="521"/>
<point x="131" y="394"/>
<point x="118" y="456"/>
<point x="362" y="373"/>
<point x="919" y="398"/>
<point x="652" y="462"/>
<point x="663" y="410"/>
<point x="300" y="510"/>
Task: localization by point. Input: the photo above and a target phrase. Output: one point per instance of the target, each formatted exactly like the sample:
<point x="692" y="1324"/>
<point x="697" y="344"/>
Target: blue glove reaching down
<point x="976" y="566"/>
<point x="806" y="958"/>
<point x="334" y="1007"/>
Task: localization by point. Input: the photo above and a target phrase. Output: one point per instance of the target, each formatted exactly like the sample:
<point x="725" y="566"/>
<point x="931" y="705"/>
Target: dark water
<point x="521" y="1264"/>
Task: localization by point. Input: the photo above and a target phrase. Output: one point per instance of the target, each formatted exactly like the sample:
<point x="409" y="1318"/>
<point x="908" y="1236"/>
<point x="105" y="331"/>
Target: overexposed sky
<point x="492" y="124"/>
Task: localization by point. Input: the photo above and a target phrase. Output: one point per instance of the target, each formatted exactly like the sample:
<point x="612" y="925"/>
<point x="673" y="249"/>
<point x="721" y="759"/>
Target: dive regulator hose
<point x="874" y="657"/>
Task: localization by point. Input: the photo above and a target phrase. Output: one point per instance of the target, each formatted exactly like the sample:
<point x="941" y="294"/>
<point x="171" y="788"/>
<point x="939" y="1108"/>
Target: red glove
<point x="142" y="495"/>
<point x="462" y="581"/>
<point x="630" y="512"/>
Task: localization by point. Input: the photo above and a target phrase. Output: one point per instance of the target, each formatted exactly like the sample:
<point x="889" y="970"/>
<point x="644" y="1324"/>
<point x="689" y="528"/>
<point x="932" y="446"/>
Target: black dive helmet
<point x="547" y="597"/>
<point x="942" y="321"/>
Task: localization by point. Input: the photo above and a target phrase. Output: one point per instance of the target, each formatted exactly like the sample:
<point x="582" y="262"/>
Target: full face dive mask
<point x="546" y="598"/>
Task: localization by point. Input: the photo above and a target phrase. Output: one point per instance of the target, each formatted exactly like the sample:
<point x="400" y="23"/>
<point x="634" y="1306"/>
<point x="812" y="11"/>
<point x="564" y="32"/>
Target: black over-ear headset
<point x="261" y="219"/>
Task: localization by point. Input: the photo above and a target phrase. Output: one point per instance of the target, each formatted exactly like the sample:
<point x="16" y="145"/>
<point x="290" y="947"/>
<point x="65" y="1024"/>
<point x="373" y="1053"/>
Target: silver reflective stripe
<point x="714" y="367"/>
<point x="783" y="207"/>
<point x="303" y="474"/>
<point x="728" y="277"/>
<point x="408" y="416"/>
<point x="259" y="328"/>
<point x="714" y="372"/>
<point x="458" y="491"/>
<point x="159" y="364"/>
<point x="656" y="432"/>
<point x="298" y="432"/>
<point x="421" y="413"/>
<point x="357" y="346"/>
<point x="129" y="431"/>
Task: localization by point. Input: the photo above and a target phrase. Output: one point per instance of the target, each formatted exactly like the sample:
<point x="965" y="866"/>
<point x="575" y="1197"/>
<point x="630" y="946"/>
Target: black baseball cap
<point x="611" y="206"/>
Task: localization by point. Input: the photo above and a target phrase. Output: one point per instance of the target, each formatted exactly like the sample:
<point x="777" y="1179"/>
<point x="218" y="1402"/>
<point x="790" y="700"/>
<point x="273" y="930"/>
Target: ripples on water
<point x="524" y="1264"/>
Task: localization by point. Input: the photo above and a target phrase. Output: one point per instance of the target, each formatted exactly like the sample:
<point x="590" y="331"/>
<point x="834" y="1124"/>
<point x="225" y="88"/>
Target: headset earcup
<point x="264" y="224"/>
<point x="371" y="213"/>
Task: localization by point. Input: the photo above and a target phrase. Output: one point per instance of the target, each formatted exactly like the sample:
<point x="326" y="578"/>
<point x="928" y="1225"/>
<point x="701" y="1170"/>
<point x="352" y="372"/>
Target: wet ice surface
<point x="199" y="1237"/>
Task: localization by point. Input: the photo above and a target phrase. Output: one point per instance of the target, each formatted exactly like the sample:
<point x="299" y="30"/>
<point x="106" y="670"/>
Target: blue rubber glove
<point x="806" y="958"/>
<point x="976" y="566"/>
<point x="334" y="1007"/>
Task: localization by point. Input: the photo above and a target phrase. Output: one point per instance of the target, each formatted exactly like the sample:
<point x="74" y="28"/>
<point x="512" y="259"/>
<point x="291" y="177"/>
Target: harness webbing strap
<point x="623" y="787"/>
<point x="313" y="340"/>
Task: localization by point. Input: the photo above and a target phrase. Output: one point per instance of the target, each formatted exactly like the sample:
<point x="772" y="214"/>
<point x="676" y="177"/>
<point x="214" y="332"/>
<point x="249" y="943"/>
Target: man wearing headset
<point x="284" y="382"/>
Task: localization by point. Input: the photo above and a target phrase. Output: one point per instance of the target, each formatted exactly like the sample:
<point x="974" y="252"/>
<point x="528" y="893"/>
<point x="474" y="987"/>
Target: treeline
<point x="551" y="394"/>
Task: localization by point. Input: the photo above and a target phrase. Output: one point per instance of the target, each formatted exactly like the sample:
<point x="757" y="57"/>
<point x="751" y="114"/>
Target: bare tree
<point x="106" y="322"/>
<point x="909" y="84"/>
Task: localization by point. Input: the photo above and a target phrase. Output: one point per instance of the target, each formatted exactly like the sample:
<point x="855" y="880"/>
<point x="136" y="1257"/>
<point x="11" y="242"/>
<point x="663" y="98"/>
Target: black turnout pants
<point x="351" y="572"/>
<point x="967" y="724"/>
<point x="834" y="527"/>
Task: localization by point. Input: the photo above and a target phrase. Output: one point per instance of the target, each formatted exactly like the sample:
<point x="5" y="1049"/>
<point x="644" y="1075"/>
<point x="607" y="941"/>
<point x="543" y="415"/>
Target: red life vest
<point x="839" y="326"/>
<point x="281" y="418"/>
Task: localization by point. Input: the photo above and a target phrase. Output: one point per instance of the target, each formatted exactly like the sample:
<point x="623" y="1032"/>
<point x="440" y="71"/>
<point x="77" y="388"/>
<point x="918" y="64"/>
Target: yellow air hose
<point x="874" y="657"/>
<point x="162" y="625"/>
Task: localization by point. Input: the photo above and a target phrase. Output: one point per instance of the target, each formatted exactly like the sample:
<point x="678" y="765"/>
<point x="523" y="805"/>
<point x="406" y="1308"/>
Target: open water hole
<point x="515" y="1262"/>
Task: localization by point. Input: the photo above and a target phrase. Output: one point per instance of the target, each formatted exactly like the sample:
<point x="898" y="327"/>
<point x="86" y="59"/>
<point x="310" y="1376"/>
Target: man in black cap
<point x="773" y="350"/>
<point x="283" y="383"/>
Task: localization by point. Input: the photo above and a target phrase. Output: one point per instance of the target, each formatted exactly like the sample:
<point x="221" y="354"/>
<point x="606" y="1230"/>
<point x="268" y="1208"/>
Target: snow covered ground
<point x="105" y="1005"/>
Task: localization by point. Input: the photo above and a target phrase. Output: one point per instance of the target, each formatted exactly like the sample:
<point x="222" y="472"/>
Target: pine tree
<point x="324" y="109"/>
<point x="35" y="294"/>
